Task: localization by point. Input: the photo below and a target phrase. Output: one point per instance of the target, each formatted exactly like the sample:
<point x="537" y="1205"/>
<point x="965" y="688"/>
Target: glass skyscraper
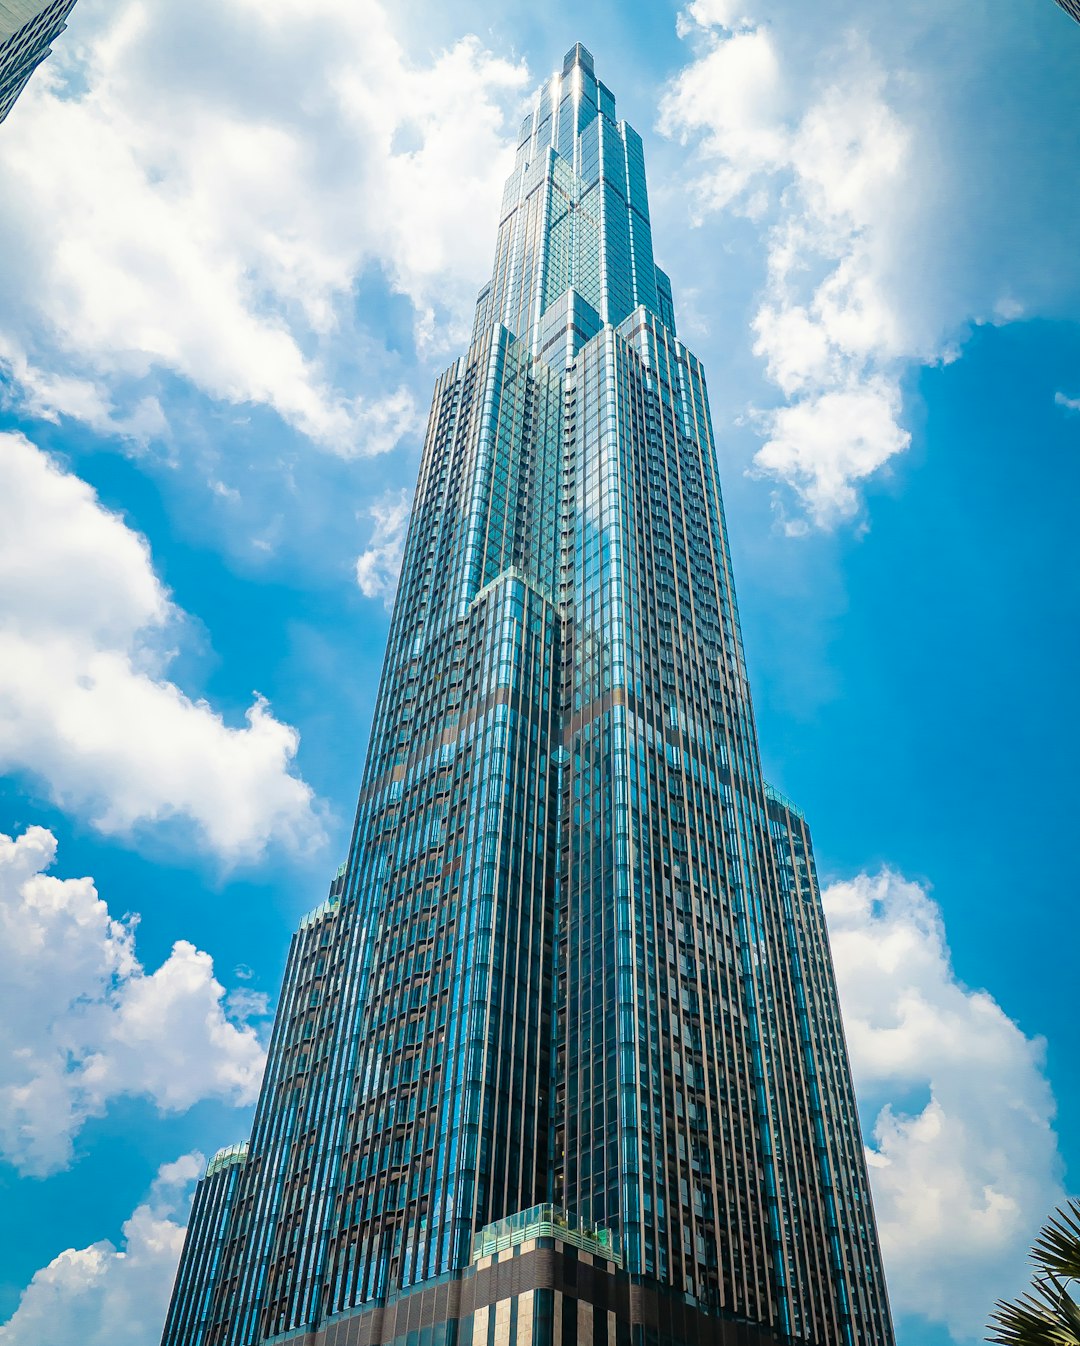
<point x="27" y="30"/>
<point x="560" y="1058"/>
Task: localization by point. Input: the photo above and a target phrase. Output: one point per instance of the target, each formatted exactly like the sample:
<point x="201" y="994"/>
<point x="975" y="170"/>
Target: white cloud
<point x="83" y="1022"/>
<point x="732" y="100"/>
<point x="825" y="445"/>
<point x="51" y="395"/>
<point x="964" y="1176"/>
<point x="377" y="567"/>
<point x="707" y="13"/>
<point x="1069" y="403"/>
<point x="831" y="182"/>
<point x="84" y="701"/>
<point x="381" y="424"/>
<point x="106" y="1295"/>
<point x="166" y="208"/>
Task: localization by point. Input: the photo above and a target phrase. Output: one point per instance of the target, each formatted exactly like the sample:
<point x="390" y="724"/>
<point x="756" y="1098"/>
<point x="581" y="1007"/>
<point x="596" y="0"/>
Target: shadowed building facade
<point x="560" y="1058"/>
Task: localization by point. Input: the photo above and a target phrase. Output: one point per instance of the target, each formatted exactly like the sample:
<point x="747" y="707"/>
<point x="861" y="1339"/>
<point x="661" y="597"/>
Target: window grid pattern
<point x="576" y="954"/>
<point x="24" y="49"/>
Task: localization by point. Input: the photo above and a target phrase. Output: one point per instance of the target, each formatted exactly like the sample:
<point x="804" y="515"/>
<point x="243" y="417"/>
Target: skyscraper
<point x="27" y="30"/>
<point x="1071" y="7"/>
<point x="560" y="1057"/>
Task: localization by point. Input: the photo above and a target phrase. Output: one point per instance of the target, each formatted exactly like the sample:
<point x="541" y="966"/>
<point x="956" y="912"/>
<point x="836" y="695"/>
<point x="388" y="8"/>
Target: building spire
<point x="578" y="55"/>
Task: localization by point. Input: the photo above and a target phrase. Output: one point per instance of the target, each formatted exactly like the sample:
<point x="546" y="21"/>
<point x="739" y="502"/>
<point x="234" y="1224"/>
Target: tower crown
<point x="578" y="55"/>
<point x="575" y="217"/>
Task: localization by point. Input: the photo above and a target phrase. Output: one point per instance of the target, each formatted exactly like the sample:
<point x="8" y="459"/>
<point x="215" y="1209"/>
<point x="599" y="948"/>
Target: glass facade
<point x="27" y="30"/>
<point x="575" y="967"/>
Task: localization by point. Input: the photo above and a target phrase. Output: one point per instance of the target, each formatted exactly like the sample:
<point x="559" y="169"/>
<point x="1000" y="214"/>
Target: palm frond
<point x="1046" y="1316"/>
<point x="1057" y="1249"/>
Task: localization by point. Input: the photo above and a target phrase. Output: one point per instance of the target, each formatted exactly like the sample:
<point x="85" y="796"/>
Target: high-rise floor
<point x="560" y="1058"/>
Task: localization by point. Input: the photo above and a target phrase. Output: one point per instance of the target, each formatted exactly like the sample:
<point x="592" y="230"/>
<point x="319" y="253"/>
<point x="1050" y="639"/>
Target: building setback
<point x="560" y="1058"/>
<point x="28" y="29"/>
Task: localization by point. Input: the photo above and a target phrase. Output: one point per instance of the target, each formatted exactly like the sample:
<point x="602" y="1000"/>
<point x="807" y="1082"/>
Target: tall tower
<point x="560" y="1058"/>
<point x="27" y="30"/>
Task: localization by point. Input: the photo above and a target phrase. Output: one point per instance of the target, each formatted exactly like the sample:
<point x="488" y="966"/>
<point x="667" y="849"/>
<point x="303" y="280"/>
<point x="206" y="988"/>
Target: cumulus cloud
<point x="106" y="1295"/>
<point x="721" y="13"/>
<point x="825" y="445"/>
<point x="730" y="102"/>
<point x="1069" y="403"/>
<point x="378" y="565"/>
<point x="964" y="1161"/>
<point x="85" y="704"/>
<point x="83" y="1022"/>
<point x="830" y="180"/>
<point x="166" y="208"/>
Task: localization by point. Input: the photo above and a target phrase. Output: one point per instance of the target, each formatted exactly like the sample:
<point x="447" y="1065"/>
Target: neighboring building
<point x="560" y="1059"/>
<point x="1071" y="7"/>
<point x="27" y="30"/>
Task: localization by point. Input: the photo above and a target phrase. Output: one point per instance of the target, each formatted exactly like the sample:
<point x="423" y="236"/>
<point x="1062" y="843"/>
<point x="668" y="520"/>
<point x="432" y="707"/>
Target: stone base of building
<point x="540" y="1292"/>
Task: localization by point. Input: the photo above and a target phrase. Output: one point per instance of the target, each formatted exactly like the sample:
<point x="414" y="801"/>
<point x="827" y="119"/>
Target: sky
<point x="238" y="242"/>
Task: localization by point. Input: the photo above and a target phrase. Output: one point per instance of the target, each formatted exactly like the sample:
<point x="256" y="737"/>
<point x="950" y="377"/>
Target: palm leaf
<point x="1046" y="1316"/>
<point x="1057" y="1249"/>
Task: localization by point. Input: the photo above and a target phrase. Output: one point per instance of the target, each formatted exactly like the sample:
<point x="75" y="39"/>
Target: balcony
<point x="546" y="1222"/>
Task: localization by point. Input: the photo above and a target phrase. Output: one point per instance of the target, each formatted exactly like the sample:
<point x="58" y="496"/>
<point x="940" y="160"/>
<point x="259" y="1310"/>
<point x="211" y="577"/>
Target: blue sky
<point x="237" y="243"/>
